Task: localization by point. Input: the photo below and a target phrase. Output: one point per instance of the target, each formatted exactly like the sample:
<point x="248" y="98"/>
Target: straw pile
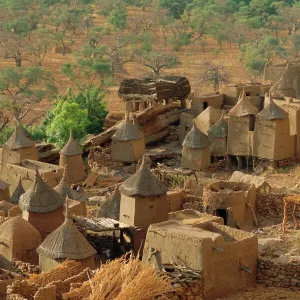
<point x="28" y="287"/>
<point x="123" y="279"/>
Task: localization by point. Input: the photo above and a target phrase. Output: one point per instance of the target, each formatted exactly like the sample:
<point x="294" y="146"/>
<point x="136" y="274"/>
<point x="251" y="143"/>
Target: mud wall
<point x="271" y="273"/>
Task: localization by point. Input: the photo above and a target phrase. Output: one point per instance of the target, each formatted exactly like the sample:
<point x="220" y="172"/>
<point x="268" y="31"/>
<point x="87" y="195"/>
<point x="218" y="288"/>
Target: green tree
<point x="92" y="100"/>
<point x="117" y="17"/>
<point x="175" y="7"/>
<point x="20" y="88"/>
<point x="67" y="116"/>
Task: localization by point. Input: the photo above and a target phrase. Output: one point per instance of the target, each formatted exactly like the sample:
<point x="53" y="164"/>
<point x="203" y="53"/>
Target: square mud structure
<point x="225" y="257"/>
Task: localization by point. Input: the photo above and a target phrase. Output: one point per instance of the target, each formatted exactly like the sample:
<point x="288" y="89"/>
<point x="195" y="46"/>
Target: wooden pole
<point x="284" y="216"/>
<point x="295" y="217"/>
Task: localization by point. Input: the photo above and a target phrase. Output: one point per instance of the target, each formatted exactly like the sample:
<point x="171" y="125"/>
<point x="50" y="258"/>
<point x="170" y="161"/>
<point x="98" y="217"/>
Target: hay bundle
<point x="123" y="279"/>
<point x="28" y="287"/>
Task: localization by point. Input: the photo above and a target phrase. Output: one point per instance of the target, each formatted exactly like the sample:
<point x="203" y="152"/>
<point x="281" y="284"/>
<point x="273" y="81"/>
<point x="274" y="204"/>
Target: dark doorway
<point x="222" y="212"/>
<point x="205" y="105"/>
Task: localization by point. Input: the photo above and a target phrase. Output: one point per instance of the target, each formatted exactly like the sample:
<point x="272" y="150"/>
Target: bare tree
<point x="214" y="75"/>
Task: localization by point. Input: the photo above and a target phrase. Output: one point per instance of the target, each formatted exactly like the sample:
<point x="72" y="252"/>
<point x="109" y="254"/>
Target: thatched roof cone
<point x="66" y="242"/>
<point x="19" y="191"/>
<point x="25" y="131"/>
<point x="196" y="139"/>
<point x="127" y="131"/>
<point x="272" y="111"/>
<point x="71" y="148"/>
<point x="143" y="183"/>
<point x="18" y="140"/>
<point x="64" y="190"/>
<point x="40" y="198"/>
<point x="219" y="129"/>
<point x="243" y="108"/>
<point x="111" y="207"/>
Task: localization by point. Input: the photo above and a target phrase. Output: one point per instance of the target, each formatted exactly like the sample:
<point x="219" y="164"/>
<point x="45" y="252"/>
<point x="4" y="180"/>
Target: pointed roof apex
<point x="64" y="190"/>
<point x="40" y="198"/>
<point x="19" y="140"/>
<point x="110" y="208"/>
<point x="67" y="213"/>
<point x="64" y="178"/>
<point x="19" y="191"/>
<point x="272" y="111"/>
<point x="243" y="107"/>
<point x="143" y="183"/>
<point x="127" y="131"/>
<point x="71" y="148"/>
<point x="66" y="242"/>
<point x="196" y="139"/>
<point x="219" y="129"/>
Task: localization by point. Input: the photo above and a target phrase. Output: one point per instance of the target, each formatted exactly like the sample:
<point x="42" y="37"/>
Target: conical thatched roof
<point x="40" y="198"/>
<point x="71" y="148"/>
<point x="5" y="205"/>
<point x="219" y="129"/>
<point x="111" y="207"/>
<point x="127" y="131"/>
<point x="196" y="139"/>
<point x="25" y="131"/>
<point x="243" y="108"/>
<point x="19" y="191"/>
<point x="66" y="242"/>
<point x="272" y="111"/>
<point x="3" y="185"/>
<point x="64" y="190"/>
<point x="18" y="140"/>
<point x="143" y="183"/>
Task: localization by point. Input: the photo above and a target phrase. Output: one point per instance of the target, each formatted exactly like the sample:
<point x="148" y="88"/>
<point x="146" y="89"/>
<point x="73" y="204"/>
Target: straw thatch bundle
<point x="243" y="108"/>
<point x="66" y="242"/>
<point x="40" y="198"/>
<point x="196" y="139"/>
<point x="111" y="207"/>
<point x="123" y="279"/>
<point x="27" y="288"/>
<point x="127" y="131"/>
<point x="18" y="140"/>
<point x="272" y="111"/>
<point x="143" y="183"/>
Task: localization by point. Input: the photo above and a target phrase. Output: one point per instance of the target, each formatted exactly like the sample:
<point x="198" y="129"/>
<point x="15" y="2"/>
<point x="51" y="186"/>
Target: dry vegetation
<point x="191" y="58"/>
<point x="122" y="279"/>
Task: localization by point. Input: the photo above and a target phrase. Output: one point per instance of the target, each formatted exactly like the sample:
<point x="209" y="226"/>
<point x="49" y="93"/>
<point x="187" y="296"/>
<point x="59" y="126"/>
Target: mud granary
<point x="66" y="242"/>
<point x="42" y="207"/>
<point x="128" y="142"/>
<point x="18" y="240"/>
<point x="225" y="257"/>
<point x="71" y="158"/>
<point x="143" y="199"/>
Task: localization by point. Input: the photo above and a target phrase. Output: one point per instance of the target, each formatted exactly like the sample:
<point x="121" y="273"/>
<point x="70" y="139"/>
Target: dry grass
<point x="123" y="279"/>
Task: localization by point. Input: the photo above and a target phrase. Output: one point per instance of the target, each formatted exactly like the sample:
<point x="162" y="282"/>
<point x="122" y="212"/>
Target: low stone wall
<point x="271" y="205"/>
<point x="185" y="291"/>
<point x="192" y="202"/>
<point x="271" y="273"/>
